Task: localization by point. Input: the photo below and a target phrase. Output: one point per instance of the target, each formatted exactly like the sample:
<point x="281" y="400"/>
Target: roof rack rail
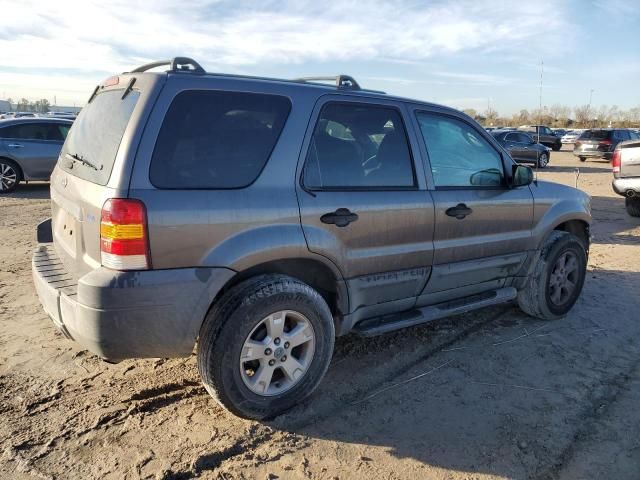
<point x="341" y="81"/>
<point x="178" y="64"/>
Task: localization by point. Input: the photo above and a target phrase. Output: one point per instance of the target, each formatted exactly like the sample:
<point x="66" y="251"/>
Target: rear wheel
<point x="556" y="146"/>
<point x="557" y="279"/>
<point x="10" y="175"/>
<point x="543" y="160"/>
<point x="583" y="159"/>
<point x="265" y="346"/>
<point x="633" y="206"/>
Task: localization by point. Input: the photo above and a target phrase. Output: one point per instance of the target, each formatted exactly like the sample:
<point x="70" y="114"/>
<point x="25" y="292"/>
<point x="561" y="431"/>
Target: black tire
<point x="556" y="147"/>
<point x="535" y="298"/>
<point x="543" y="160"/>
<point x="13" y="166"/>
<point x="230" y="322"/>
<point x="583" y="159"/>
<point x="633" y="206"/>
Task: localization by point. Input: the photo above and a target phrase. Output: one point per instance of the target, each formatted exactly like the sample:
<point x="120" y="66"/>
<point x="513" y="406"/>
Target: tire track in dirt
<point x="266" y="432"/>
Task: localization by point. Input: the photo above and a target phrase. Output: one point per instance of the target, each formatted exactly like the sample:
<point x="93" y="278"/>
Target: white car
<point x="570" y="137"/>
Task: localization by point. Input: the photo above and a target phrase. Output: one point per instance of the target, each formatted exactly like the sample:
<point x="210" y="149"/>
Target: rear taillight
<point x="124" y="240"/>
<point x="605" y="143"/>
<point x="615" y="161"/>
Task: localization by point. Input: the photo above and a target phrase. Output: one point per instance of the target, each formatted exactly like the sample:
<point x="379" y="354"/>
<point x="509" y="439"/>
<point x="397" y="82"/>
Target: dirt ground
<point x="491" y="394"/>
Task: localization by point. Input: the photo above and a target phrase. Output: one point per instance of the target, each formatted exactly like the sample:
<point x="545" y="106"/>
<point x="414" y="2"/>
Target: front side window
<point x="459" y="155"/>
<point x="216" y="139"/>
<point x="524" y="138"/>
<point x="358" y="146"/>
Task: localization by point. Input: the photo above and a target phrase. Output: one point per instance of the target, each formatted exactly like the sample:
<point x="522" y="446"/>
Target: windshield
<point x="596" y="134"/>
<point x="93" y="141"/>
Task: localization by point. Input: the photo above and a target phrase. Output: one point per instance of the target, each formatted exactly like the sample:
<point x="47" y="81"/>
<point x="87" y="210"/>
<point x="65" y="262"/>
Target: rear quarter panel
<point x="234" y="228"/>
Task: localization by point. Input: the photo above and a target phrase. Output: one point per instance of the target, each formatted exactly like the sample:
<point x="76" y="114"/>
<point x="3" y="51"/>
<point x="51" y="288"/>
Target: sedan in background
<point x="570" y="136"/>
<point x="29" y="149"/>
<point x="522" y="147"/>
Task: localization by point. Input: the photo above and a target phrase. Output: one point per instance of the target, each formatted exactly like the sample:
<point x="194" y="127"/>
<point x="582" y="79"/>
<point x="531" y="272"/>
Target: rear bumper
<point x="622" y="185"/>
<point x="119" y="315"/>
<point x="593" y="154"/>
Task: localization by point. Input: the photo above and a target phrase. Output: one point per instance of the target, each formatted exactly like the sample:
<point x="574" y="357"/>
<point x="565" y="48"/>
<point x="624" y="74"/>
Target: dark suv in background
<point x="600" y="142"/>
<point x="260" y="218"/>
<point x="544" y="135"/>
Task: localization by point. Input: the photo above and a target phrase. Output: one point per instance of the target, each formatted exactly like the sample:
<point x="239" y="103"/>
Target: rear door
<point x="482" y="227"/>
<point x="35" y="146"/>
<point x="363" y="199"/>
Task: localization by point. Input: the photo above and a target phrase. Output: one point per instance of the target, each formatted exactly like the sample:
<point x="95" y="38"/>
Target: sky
<point x="466" y="54"/>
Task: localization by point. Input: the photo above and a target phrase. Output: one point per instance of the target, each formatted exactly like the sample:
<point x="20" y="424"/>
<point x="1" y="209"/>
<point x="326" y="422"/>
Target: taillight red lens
<point x="124" y="242"/>
<point x="616" y="161"/>
<point x="606" y="142"/>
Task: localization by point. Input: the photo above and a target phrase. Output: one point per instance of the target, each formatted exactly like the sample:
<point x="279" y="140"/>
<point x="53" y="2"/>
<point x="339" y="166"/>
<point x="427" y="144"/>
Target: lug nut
<point x="286" y="344"/>
<point x="267" y="351"/>
<point x="277" y="341"/>
<point x="272" y="362"/>
<point x="284" y="358"/>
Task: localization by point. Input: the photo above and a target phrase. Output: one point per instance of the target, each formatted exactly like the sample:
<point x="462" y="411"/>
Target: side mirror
<point x="522" y="175"/>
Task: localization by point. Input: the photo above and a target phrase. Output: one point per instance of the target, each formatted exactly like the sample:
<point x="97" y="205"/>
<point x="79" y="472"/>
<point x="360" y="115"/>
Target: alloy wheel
<point x="8" y="176"/>
<point x="277" y="353"/>
<point x="564" y="278"/>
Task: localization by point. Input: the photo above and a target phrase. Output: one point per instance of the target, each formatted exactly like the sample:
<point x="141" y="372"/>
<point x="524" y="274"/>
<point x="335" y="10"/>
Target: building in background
<point x="4" y="106"/>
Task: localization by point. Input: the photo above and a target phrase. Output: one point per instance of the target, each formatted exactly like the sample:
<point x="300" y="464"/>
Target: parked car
<point x="200" y="208"/>
<point x="522" y="147"/>
<point x="29" y="149"/>
<point x="625" y="164"/>
<point x="559" y="132"/>
<point x="599" y="143"/>
<point x="570" y="136"/>
<point x="542" y="134"/>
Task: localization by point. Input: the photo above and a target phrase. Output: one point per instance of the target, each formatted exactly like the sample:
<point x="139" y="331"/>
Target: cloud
<point x="112" y="35"/>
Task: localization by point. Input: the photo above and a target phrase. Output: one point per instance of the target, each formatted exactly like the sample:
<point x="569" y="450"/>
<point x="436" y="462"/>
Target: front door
<point x="483" y="227"/>
<point x="363" y="200"/>
<point x="520" y="147"/>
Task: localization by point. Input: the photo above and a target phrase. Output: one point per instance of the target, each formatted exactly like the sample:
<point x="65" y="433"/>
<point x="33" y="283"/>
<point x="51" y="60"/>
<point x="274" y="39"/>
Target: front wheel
<point x="583" y="159"/>
<point x="543" y="160"/>
<point x="265" y="346"/>
<point x="556" y="147"/>
<point x="556" y="282"/>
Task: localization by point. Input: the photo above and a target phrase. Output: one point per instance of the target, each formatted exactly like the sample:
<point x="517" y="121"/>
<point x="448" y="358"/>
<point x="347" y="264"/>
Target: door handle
<point x="15" y="145"/>
<point x="340" y="218"/>
<point x="459" y="211"/>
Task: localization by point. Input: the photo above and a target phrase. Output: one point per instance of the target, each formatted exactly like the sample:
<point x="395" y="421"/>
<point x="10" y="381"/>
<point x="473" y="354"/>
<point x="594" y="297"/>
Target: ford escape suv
<point x="258" y="219"/>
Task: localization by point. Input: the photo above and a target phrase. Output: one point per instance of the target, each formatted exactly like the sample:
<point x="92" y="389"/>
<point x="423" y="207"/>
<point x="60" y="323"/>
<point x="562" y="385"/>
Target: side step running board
<point x="380" y="325"/>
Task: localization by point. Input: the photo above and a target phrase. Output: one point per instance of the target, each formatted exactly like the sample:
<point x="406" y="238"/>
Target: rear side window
<point x="33" y="131"/>
<point x="96" y="135"/>
<point x="216" y="140"/>
<point x="358" y="146"/>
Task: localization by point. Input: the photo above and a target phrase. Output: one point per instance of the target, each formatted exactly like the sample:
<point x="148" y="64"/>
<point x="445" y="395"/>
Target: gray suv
<point x="257" y="219"/>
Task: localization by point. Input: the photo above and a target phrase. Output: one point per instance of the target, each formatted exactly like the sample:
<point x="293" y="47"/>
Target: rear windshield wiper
<point x="83" y="161"/>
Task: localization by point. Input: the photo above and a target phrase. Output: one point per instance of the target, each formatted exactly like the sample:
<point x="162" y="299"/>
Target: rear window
<point x="217" y="140"/>
<point x="596" y="135"/>
<point x="96" y="135"/>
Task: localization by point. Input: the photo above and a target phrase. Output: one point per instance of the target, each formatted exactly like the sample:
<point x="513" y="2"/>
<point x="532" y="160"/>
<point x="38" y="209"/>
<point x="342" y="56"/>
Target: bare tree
<point x="582" y="115"/>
